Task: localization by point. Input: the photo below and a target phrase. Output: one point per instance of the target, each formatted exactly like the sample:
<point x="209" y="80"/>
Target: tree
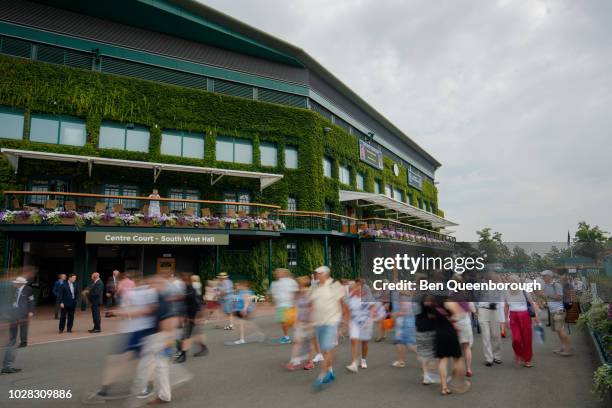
<point x="519" y="259"/>
<point x="589" y="241"/>
<point x="490" y="243"/>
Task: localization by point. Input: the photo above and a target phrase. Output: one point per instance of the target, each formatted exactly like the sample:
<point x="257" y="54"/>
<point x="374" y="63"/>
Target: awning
<point x="13" y="156"/>
<point x="398" y="207"/>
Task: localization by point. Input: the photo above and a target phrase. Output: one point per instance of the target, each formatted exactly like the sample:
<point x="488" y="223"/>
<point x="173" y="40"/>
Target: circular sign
<point x="396" y="169"/>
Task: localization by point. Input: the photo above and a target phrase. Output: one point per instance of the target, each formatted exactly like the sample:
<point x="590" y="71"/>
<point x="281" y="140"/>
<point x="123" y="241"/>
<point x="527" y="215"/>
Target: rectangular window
<point x="234" y="150"/>
<point x="269" y="154"/>
<point x="291" y="157"/>
<point x="409" y="198"/>
<point x="360" y="179"/>
<point x="183" y="194"/>
<point x="327" y="167"/>
<point x="345" y="175"/>
<point x="292" y="204"/>
<point x="121" y="190"/>
<point x="39" y="186"/>
<point x="388" y="191"/>
<point x="183" y="144"/>
<point x="398" y="194"/>
<point x="11" y="124"/>
<point x="377" y="188"/>
<point x="292" y="256"/>
<point x="57" y="130"/>
<point x="120" y="136"/>
<point x="237" y="197"/>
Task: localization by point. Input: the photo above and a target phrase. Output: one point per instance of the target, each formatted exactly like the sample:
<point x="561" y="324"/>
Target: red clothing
<point x="522" y="334"/>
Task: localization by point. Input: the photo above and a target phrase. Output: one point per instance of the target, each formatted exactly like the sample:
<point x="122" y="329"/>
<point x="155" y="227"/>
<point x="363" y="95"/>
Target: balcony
<point x="97" y="210"/>
<point x="324" y="222"/>
<point x="387" y="229"/>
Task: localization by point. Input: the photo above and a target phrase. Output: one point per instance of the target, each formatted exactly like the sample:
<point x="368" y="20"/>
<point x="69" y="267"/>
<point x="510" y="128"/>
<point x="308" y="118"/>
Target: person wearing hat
<point x="19" y="314"/>
<point x="553" y="292"/>
<point x="226" y="292"/>
<point x="328" y="309"/>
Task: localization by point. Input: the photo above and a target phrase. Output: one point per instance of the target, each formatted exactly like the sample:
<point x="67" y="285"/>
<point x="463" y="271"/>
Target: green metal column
<point x="84" y="276"/>
<point x="269" y="262"/>
<point x="326" y="251"/>
<point x="354" y="259"/>
<point x="5" y="260"/>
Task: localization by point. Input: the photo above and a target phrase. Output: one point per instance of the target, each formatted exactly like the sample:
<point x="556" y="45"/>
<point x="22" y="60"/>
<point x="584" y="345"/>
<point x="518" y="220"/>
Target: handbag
<point x="529" y="306"/>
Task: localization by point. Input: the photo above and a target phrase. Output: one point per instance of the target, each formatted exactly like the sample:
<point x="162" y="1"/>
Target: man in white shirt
<point x="327" y="311"/>
<point x="283" y="291"/>
<point x="553" y="292"/>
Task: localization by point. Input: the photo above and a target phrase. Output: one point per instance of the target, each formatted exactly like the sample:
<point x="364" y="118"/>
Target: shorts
<point x="405" y="331"/>
<point x="281" y="313"/>
<point x="239" y="315"/>
<point x="137" y="339"/>
<point x="228" y="306"/>
<point x="327" y="334"/>
<point x="558" y="320"/>
<point x="361" y="332"/>
<point x="464" y="329"/>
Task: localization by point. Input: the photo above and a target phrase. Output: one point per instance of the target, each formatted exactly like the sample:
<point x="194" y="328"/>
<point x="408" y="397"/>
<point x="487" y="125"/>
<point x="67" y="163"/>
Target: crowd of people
<point x="162" y="317"/>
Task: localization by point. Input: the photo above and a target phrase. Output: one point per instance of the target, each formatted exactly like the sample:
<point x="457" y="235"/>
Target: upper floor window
<point x="388" y="191"/>
<point x="182" y="143"/>
<point x="123" y="137"/>
<point x="120" y="190"/>
<point x="11" y="123"/>
<point x="237" y="197"/>
<point x="269" y="154"/>
<point x="360" y="180"/>
<point x="377" y="188"/>
<point x="292" y="255"/>
<point x="235" y="150"/>
<point x="291" y="157"/>
<point x="398" y="194"/>
<point x="183" y="194"/>
<point x="291" y="204"/>
<point x="345" y="175"/>
<point x="327" y="167"/>
<point x="57" y="130"/>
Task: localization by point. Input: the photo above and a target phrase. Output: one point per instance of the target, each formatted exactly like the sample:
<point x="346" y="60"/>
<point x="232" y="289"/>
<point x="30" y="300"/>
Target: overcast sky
<point x="514" y="98"/>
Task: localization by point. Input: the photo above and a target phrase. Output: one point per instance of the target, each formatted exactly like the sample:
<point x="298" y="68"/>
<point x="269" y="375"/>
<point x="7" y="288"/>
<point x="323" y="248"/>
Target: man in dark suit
<point x="61" y="279"/>
<point x="20" y="311"/>
<point x="112" y="284"/>
<point x="96" y="298"/>
<point x="68" y="296"/>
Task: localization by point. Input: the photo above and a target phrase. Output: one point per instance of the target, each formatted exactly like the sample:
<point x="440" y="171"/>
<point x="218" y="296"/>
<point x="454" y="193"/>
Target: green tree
<point x="589" y="241"/>
<point x="490" y="243"/>
<point x="519" y="259"/>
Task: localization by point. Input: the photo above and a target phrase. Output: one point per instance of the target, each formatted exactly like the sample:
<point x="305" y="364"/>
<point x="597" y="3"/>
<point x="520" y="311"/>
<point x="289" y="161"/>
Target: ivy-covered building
<point x="261" y="156"/>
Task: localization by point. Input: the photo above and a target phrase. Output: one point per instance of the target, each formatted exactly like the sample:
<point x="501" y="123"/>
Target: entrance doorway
<point x="51" y="259"/>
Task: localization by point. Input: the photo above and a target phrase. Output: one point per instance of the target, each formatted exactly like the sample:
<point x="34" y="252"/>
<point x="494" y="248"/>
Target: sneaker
<point x="568" y="353"/>
<point x="309" y="365"/>
<point x="331" y="374"/>
<point x="363" y="364"/>
<point x="317" y="385"/>
<point x="329" y="377"/>
<point x="146" y="393"/>
<point x="398" y="364"/>
<point x="427" y="379"/>
<point x="240" y="341"/>
<point x="488" y="363"/>
<point x="285" y="340"/>
<point x="229" y="327"/>
<point x="497" y="361"/>
<point x="10" y="370"/>
<point x="203" y="351"/>
<point x="352" y="368"/>
<point x="318" y="358"/>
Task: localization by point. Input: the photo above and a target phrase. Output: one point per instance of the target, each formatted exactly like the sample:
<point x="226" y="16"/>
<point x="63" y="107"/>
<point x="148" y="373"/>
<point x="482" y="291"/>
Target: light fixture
<point x="326" y="129"/>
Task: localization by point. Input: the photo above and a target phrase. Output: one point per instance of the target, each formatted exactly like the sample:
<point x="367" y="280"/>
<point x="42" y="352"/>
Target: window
<point x="120" y="190"/>
<point x="183" y="194"/>
<point x="327" y="167"/>
<point x="292" y="204"/>
<point x="345" y="175"/>
<point x="388" y="191"/>
<point x="398" y="194"/>
<point x="420" y="203"/>
<point x="291" y="157"/>
<point x="231" y="149"/>
<point x="292" y="257"/>
<point x="57" y="130"/>
<point x="269" y="154"/>
<point x="360" y="181"/>
<point x="237" y="197"/>
<point x="11" y="124"/>
<point x="182" y="143"/>
<point x="123" y="137"/>
<point x="409" y="198"/>
<point x="377" y="188"/>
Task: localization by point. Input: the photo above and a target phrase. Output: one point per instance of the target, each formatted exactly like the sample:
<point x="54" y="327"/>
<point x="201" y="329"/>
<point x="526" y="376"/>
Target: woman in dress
<point x="405" y="336"/>
<point x="154" y="210"/>
<point x="361" y="326"/>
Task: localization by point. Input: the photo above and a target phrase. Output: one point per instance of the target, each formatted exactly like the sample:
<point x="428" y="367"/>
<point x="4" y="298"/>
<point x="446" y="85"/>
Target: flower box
<point x="244" y="225"/>
<point x="144" y="224"/>
<point x="108" y="223"/>
<point x="68" y="221"/>
<point x="23" y="220"/>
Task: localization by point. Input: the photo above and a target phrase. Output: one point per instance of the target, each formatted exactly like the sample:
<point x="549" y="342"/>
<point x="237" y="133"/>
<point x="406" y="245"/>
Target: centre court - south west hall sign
<point x="154" y="238"/>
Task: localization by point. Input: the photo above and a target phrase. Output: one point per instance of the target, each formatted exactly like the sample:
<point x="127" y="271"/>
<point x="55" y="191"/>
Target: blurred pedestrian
<point x="193" y="305"/>
<point x="283" y="291"/>
<point x="362" y="317"/>
<point x="226" y="295"/>
<point x="19" y="312"/>
<point x="112" y="288"/>
<point x="553" y="291"/>
<point x="517" y="310"/>
<point x="405" y="330"/>
<point x="302" y="352"/>
<point x="244" y="306"/>
<point x="61" y="278"/>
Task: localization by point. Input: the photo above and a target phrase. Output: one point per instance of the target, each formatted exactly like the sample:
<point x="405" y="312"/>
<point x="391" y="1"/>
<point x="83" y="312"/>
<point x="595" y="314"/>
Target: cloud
<point x="513" y="97"/>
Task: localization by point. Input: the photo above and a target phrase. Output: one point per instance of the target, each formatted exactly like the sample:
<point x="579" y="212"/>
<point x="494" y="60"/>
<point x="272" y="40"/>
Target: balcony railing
<point x="311" y="220"/>
<point x="38" y="207"/>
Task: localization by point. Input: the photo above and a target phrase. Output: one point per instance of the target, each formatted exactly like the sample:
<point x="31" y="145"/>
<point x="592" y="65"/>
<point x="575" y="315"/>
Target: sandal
<point x="469" y="373"/>
<point x="528" y="365"/>
<point x="446" y="391"/>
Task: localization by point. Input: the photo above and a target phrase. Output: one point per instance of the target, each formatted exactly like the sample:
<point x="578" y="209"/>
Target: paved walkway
<point x="250" y="376"/>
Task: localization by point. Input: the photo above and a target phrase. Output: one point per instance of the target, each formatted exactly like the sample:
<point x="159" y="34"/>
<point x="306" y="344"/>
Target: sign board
<point x="571" y="270"/>
<point x="154" y="238"/>
<point x="370" y="155"/>
<point x="415" y="180"/>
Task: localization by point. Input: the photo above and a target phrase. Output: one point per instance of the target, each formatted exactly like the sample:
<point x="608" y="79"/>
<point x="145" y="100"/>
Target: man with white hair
<point x="553" y="292"/>
<point x="19" y="313"/>
<point x="327" y="310"/>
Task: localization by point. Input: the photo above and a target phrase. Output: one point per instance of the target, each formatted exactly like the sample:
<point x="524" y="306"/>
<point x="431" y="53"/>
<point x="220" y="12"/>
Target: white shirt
<point x="516" y="302"/>
<point x="283" y="290"/>
<point x="19" y="290"/>
<point x="326" y="303"/>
